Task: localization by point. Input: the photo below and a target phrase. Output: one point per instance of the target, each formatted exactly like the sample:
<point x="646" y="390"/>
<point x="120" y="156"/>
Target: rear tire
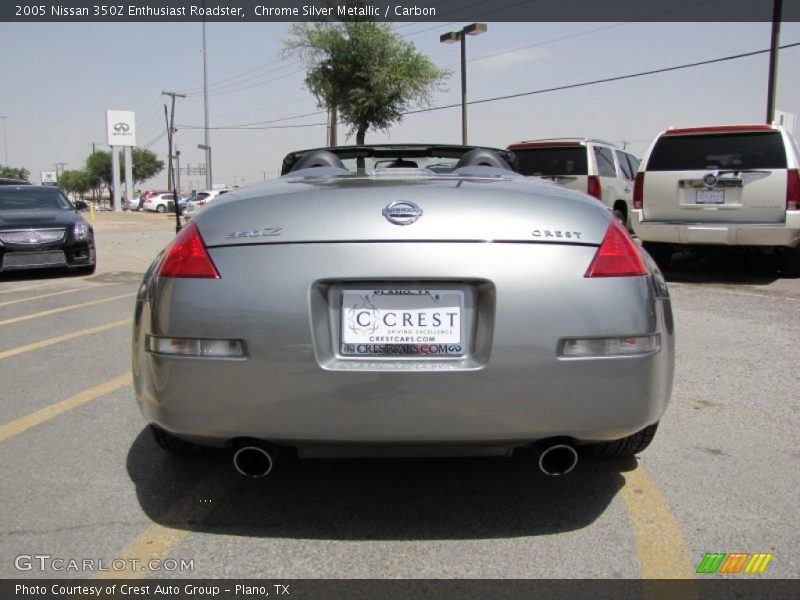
<point x="175" y="445"/>
<point x="789" y="262"/>
<point x="621" y="215"/>
<point x="628" y="446"/>
<point x="661" y="253"/>
<point x="161" y="208"/>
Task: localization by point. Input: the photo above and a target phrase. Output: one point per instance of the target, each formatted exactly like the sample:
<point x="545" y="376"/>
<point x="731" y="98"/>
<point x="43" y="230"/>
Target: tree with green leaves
<point x="14" y="172"/>
<point x="75" y="182"/>
<point x="145" y="164"/>
<point x="364" y="70"/>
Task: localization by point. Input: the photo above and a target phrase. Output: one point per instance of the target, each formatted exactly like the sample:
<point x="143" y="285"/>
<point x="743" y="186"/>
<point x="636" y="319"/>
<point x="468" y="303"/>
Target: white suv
<point x="160" y="202"/>
<point x="594" y="167"/>
<point x="729" y="185"/>
<point x="200" y="200"/>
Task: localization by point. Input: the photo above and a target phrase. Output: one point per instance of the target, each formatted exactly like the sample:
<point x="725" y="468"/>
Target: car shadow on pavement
<point x="40" y="274"/>
<point x="730" y="268"/>
<point x="379" y="499"/>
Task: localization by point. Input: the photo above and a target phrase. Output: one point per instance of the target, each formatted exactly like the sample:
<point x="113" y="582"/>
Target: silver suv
<point x="594" y="167"/>
<point x="729" y="185"/>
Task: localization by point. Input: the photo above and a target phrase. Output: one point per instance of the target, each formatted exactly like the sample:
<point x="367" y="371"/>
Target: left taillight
<point x="617" y="256"/>
<point x="187" y="256"/>
<point x="593" y="187"/>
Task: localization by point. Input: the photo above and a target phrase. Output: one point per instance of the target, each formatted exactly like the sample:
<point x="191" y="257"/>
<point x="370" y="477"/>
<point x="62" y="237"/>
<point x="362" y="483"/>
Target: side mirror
<point x="80" y="205"/>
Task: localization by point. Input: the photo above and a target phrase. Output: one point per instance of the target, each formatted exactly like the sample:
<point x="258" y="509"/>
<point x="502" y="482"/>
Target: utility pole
<point x="777" y="8"/>
<point x="59" y="167"/>
<point x="170" y="132"/>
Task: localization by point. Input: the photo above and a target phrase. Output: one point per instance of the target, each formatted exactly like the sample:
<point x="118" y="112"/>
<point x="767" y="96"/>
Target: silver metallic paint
<point x="511" y="388"/>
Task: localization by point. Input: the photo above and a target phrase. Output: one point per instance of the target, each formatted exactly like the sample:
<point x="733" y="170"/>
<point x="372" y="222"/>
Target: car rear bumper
<point x="727" y="234"/>
<point x="294" y="388"/>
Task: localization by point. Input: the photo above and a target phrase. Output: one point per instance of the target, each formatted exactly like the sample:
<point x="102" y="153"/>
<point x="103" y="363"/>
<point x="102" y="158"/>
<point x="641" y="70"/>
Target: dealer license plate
<point x="710" y="197"/>
<point x="410" y="323"/>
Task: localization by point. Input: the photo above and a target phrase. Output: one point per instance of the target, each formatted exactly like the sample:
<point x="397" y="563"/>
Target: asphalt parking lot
<point x="84" y="480"/>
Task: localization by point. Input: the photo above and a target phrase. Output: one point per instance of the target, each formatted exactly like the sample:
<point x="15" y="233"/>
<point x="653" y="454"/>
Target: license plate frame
<point x="710" y="197"/>
<point x="402" y="323"/>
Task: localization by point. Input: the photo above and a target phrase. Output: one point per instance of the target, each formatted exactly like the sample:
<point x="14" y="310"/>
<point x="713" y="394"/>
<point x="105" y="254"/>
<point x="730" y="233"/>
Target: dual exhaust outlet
<point x="255" y="461"/>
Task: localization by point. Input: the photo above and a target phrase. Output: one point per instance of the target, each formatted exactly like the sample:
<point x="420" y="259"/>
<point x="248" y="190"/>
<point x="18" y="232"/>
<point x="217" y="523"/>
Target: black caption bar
<point x="371" y="589"/>
<point x="394" y="10"/>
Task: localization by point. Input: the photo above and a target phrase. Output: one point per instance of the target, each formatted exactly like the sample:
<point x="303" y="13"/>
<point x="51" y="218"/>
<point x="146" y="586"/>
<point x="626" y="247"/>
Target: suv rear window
<point x="552" y="161"/>
<point x="723" y="151"/>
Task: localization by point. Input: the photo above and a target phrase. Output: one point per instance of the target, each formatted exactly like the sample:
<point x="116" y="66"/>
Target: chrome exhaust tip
<point x="558" y="459"/>
<point x="253" y="461"/>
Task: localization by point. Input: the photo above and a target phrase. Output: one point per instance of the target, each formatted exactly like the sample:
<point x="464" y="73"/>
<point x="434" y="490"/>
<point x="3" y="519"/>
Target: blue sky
<point x="61" y="77"/>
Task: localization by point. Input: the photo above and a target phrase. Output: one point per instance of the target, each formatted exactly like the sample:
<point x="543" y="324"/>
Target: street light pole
<point x="5" y="138"/>
<point x="208" y="163"/>
<point x="460" y="36"/>
<point x="206" y="139"/>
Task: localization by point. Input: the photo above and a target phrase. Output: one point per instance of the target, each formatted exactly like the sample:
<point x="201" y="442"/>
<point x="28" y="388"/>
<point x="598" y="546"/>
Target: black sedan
<point x="41" y="228"/>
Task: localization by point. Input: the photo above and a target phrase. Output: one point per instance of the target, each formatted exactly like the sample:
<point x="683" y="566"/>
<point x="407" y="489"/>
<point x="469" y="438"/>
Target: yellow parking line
<point x="62" y="338"/>
<point x="156" y="542"/>
<point x="51" y="294"/>
<point x="17" y="426"/>
<point x="660" y="546"/>
<point x="54" y="311"/>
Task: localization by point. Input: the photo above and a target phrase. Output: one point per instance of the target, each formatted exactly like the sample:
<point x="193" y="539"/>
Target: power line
<point x="528" y="93"/>
<point x="231" y="87"/>
<point x="256" y="128"/>
<point x="247" y="125"/>
<point x="606" y="80"/>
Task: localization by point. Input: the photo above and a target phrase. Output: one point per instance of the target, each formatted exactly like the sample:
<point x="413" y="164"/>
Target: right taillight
<point x="593" y="187"/>
<point x="638" y="190"/>
<point x="793" y="189"/>
<point x="187" y="256"/>
<point x="617" y="256"/>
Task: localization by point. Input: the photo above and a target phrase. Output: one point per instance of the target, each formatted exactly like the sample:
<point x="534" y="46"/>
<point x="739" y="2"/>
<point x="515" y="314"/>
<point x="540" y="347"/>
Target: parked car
<point x="200" y="200"/>
<point x="41" y="228"/>
<point x="7" y="181"/>
<point x="720" y="186"/>
<point x="163" y="202"/>
<point x="403" y="311"/>
<point x="147" y="194"/>
<point x="595" y="167"/>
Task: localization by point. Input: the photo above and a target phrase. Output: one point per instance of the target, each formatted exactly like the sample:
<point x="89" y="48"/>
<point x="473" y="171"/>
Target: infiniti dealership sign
<point x="121" y="128"/>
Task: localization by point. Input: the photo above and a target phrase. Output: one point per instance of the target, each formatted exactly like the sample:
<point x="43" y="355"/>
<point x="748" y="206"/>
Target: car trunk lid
<point x="355" y="209"/>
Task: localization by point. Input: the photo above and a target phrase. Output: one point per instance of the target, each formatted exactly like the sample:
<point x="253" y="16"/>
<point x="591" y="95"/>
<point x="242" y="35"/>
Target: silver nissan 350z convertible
<point x="408" y="300"/>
